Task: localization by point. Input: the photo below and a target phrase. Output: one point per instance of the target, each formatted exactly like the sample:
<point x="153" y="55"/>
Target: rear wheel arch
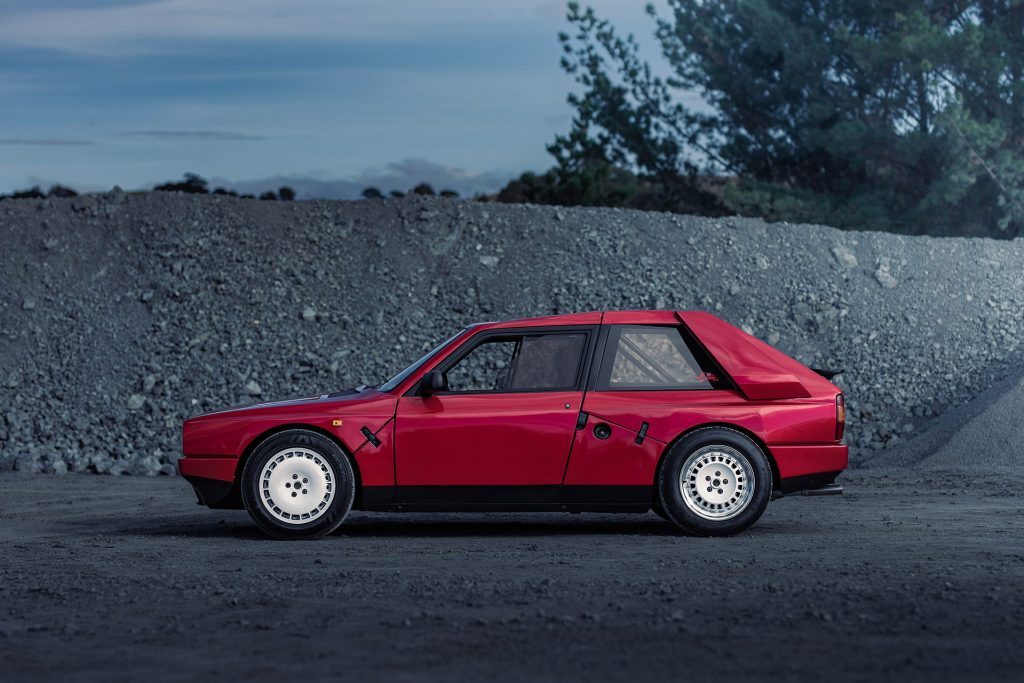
<point x="721" y="425"/>
<point x="255" y="442"/>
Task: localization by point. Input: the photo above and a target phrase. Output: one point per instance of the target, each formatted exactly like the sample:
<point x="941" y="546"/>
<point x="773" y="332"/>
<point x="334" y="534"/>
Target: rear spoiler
<point x="828" y="374"/>
<point x="758" y="370"/>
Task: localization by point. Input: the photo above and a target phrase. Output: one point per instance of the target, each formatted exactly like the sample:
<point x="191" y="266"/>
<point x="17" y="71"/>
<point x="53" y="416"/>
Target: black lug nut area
<point x="304" y="491"/>
<point x="295" y="476"/>
<point x="294" y="494"/>
<point x="305" y="481"/>
<point x="288" y="485"/>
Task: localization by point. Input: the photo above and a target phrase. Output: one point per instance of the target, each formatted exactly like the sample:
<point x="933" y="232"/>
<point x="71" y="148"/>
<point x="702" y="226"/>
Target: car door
<point x="651" y="385"/>
<point x="505" y="418"/>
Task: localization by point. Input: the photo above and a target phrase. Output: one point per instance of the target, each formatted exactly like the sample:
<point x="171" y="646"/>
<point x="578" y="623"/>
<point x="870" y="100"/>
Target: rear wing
<point x="760" y="371"/>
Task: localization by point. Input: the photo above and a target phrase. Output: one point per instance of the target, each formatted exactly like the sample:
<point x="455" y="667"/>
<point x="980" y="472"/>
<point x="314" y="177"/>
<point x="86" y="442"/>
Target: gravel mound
<point x="122" y="314"/>
<point x="983" y="433"/>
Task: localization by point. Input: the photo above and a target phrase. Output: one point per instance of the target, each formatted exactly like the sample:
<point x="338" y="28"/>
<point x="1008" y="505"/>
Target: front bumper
<point x="213" y="480"/>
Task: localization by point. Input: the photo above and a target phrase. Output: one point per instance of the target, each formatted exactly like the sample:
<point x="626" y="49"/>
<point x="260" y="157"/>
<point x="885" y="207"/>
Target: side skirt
<point x="508" y="498"/>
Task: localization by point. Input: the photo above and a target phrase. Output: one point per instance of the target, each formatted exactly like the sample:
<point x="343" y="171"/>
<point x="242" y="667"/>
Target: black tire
<point x="701" y="444"/>
<point x="338" y="476"/>
<point x="657" y="509"/>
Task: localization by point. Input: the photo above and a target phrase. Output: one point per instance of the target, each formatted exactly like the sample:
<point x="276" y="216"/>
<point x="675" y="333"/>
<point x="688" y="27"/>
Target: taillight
<point x="840" y="417"/>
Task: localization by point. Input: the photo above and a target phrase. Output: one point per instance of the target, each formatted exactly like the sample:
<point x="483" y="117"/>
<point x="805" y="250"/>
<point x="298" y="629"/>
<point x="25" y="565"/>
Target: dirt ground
<point x="907" y="576"/>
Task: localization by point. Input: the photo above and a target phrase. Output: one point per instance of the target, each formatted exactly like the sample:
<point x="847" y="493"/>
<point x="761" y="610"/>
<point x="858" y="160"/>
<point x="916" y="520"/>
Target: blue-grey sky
<point x="464" y="93"/>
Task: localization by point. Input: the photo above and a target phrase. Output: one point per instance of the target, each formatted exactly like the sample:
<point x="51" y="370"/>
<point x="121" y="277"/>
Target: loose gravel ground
<point x="123" y="314"/>
<point x="903" y="578"/>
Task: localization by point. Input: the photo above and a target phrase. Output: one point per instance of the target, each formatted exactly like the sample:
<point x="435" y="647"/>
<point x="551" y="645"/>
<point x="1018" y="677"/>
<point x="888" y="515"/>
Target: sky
<point x="326" y="95"/>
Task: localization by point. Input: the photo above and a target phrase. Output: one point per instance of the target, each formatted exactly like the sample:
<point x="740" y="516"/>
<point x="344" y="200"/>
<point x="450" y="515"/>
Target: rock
<point x="883" y="275"/>
<point x="489" y="261"/>
<point x="136" y="401"/>
<point x="28" y="305"/>
<point x="309" y="314"/>
<point x="251" y="388"/>
<point x="148" y="466"/>
<point x="844" y="256"/>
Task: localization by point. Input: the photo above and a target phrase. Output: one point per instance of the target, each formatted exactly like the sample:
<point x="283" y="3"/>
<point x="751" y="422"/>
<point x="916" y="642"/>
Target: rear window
<point x="651" y="357"/>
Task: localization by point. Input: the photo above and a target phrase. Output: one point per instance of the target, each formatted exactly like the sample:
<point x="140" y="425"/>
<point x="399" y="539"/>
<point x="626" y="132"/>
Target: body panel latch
<point x="370" y="436"/>
<point x="641" y="434"/>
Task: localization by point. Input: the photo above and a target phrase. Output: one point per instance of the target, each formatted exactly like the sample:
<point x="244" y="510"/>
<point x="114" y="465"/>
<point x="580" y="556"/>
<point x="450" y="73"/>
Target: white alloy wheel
<point x="296" y="485"/>
<point x="717" y="482"/>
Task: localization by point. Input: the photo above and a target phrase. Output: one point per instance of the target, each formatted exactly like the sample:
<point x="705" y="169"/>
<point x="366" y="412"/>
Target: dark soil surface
<point x="909" y="576"/>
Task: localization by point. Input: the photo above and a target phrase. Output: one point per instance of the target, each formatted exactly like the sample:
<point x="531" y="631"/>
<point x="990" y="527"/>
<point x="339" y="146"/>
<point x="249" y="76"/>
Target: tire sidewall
<point x="671" y="497"/>
<point x="332" y="516"/>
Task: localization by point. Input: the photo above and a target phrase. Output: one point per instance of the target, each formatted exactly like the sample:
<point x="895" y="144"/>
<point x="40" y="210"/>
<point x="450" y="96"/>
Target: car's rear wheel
<point x="298" y="484"/>
<point x="714" y="482"/>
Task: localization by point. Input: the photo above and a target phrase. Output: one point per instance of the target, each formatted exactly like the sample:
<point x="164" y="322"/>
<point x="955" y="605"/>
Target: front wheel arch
<point x="776" y="479"/>
<point x="254" y="443"/>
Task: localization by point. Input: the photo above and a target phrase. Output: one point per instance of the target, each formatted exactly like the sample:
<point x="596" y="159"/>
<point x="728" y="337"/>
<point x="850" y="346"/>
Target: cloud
<point x="46" y="141"/>
<point x="400" y="175"/>
<point x="145" y="27"/>
<point x="213" y="135"/>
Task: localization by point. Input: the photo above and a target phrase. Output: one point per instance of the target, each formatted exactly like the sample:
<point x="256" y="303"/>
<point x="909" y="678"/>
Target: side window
<point x="550" y="361"/>
<point x="537" y="362"/>
<point x="642" y="357"/>
<point x="485" y="368"/>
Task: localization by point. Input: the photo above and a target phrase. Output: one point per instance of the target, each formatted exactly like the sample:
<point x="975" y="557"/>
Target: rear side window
<point x="649" y="357"/>
<point x="536" y="362"/>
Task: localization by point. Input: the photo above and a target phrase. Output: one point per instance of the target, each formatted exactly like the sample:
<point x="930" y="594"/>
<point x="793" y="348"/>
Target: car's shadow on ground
<point x="469" y="526"/>
<point x="450" y="526"/>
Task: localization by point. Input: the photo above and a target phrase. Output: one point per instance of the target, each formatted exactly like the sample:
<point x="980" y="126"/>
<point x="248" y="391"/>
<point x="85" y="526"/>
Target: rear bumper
<point x="213" y="480"/>
<point x="822" y="483"/>
<point x="810" y="468"/>
<point x="804" y="461"/>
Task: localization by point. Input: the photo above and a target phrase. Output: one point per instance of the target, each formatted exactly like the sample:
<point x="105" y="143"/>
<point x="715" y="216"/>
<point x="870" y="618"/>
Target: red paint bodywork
<point x="520" y="439"/>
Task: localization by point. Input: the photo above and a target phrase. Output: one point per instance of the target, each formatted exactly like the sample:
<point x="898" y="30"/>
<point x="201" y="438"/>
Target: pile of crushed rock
<point x="123" y="314"/>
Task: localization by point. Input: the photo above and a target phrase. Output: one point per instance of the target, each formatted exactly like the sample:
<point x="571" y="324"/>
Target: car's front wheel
<point x="298" y="484"/>
<point x="714" y="482"/>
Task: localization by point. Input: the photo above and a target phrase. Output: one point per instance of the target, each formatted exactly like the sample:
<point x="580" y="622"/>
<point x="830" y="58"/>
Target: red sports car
<point x="621" y="411"/>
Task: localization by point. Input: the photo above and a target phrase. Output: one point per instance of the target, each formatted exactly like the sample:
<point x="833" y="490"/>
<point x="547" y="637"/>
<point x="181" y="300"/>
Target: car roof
<point x="637" y="317"/>
<point x="759" y="370"/>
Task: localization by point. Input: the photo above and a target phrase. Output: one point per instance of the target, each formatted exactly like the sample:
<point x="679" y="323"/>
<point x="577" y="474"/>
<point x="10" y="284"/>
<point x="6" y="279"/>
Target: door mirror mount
<point x="432" y="383"/>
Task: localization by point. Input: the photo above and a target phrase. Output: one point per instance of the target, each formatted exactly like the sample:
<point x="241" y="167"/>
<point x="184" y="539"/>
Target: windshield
<point x="392" y="383"/>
